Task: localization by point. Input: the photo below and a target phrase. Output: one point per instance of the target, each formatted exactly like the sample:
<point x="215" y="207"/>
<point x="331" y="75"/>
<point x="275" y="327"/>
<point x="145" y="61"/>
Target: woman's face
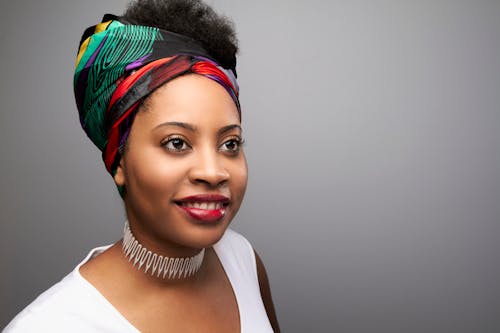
<point x="184" y="169"/>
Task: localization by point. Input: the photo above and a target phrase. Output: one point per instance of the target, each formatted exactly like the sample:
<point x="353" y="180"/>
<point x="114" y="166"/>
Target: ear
<point x="119" y="176"/>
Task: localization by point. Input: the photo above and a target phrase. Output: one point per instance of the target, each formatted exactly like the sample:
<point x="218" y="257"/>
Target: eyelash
<point x="239" y="141"/>
<point x="173" y="138"/>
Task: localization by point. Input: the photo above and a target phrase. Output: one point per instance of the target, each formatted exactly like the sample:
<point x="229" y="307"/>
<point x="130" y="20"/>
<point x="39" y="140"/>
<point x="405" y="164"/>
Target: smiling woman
<point x="156" y="92"/>
<point x="183" y="163"/>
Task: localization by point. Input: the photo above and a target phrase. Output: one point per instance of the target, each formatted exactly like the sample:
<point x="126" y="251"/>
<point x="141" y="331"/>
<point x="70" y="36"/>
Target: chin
<point x="204" y="236"/>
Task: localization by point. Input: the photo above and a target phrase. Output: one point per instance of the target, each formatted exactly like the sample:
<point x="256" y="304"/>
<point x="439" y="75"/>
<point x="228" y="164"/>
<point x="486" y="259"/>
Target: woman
<point x="156" y="92"/>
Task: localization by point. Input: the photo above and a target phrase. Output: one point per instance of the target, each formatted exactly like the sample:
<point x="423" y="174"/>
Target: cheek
<point x="240" y="177"/>
<point x="151" y="174"/>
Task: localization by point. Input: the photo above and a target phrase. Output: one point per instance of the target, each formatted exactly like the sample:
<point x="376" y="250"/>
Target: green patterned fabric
<point x="104" y="61"/>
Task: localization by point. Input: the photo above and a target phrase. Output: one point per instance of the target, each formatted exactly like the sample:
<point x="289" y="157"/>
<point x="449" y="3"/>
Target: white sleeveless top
<point x="74" y="305"/>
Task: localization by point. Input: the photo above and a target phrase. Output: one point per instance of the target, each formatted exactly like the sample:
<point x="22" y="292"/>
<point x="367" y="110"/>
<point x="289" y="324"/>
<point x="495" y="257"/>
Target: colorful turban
<point x="119" y="64"/>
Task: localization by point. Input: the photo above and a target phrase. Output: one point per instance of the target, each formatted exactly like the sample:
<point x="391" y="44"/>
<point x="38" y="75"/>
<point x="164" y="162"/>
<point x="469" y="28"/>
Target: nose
<point x="208" y="169"/>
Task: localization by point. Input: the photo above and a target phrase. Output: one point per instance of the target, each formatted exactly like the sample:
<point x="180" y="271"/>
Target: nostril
<point x="211" y="182"/>
<point x="209" y="176"/>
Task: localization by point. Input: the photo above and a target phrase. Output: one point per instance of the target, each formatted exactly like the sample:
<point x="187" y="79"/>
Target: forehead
<point x="193" y="99"/>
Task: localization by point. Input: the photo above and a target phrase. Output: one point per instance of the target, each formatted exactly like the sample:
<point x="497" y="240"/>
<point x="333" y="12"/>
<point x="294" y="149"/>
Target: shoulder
<point x="48" y="310"/>
<point x="62" y="307"/>
<point x="238" y="255"/>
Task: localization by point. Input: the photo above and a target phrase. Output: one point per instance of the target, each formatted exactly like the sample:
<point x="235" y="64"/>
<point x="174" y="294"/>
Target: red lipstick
<point x="204" y="208"/>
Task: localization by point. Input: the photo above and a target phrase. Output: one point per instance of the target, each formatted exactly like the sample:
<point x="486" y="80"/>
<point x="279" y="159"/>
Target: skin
<point x="184" y="141"/>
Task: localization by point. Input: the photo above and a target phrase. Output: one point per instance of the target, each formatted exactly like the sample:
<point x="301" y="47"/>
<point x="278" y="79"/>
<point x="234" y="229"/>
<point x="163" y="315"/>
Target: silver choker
<point x="155" y="264"/>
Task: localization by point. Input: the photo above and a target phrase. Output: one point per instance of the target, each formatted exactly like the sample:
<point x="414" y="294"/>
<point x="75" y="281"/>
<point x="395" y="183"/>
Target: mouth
<point x="204" y="208"/>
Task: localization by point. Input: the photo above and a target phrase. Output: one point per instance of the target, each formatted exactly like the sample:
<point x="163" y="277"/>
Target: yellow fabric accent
<point x="98" y="28"/>
<point x="102" y="26"/>
<point x="83" y="47"/>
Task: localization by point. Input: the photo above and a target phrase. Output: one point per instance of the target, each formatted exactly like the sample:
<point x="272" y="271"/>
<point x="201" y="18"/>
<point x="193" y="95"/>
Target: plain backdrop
<point x="373" y="141"/>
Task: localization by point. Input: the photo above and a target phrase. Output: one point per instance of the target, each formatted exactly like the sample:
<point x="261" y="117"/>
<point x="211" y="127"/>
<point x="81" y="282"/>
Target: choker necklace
<point x="166" y="267"/>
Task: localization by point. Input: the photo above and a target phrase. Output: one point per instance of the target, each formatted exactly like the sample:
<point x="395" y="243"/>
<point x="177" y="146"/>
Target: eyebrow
<point x="193" y="128"/>
<point x="178" y="124"/>
<point x="228" y="128"/>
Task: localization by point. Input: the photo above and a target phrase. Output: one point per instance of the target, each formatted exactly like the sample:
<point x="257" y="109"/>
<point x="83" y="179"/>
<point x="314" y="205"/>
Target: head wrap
<point x="119" y="64"/>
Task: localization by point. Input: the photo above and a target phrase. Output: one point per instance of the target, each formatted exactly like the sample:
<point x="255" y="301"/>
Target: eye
<point x="176" y="144"/>
<point x="232" y="145"/>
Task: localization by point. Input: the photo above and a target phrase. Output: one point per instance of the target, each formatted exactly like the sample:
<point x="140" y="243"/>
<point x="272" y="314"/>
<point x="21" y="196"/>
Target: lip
<point x="201" y="215"/>
<point x="209" y="197"/>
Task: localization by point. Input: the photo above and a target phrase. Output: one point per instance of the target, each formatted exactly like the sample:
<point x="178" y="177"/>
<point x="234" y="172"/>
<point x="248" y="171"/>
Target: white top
<point x="75" y="305"/>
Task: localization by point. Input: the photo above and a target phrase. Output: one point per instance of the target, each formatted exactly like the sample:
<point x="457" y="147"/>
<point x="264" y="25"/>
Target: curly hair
<point x="191" y="18"/>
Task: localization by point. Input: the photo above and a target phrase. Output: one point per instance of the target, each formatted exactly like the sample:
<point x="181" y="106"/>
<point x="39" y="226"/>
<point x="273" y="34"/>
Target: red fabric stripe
<point x="208" y="68"/>
<point x="165" y="72"/>
<point x="125" y="85"/>
<point x="111" y="150"/>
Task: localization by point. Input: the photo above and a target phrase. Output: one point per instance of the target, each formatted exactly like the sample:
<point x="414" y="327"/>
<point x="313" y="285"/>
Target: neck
<point x="155" y="264"/>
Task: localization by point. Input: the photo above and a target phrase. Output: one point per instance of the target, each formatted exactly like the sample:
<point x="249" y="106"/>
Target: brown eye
<point x="176" y="145"/>
<point x="231" y="146"/>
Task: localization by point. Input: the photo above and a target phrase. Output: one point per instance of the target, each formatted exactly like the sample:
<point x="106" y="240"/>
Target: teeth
<point x="204" y="205"/>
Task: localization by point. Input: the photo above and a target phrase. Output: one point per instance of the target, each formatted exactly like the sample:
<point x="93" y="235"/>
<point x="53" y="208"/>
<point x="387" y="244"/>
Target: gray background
<point x="373" y="131"/>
